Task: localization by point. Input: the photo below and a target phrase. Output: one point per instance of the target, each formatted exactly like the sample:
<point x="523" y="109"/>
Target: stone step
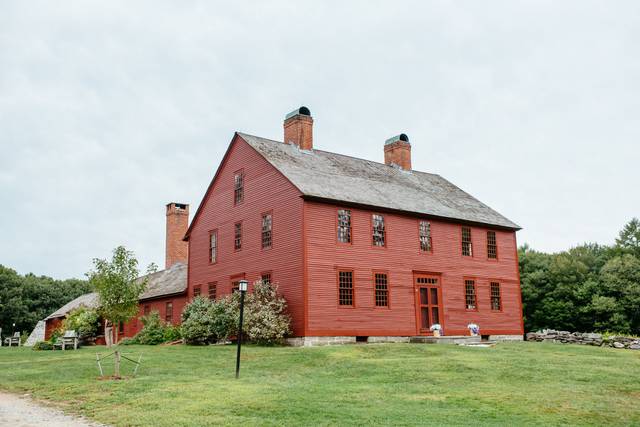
<point x="447" y="339"/>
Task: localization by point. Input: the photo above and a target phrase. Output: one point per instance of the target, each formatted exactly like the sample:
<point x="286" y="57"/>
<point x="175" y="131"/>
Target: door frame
<point x="416" y="295"/>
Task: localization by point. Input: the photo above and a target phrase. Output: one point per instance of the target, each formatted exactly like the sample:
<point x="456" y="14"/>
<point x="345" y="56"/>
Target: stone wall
<point x="564" y="337"/>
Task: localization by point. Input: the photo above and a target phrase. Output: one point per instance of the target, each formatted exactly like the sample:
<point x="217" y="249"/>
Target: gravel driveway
<point x="20" y="411"/>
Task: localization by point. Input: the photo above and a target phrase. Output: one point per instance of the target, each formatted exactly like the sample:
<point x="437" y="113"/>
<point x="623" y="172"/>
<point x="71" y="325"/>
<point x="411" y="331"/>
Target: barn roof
<point x="336" y="177"/>
<point x="171" y="281"/>
<point x="167" y="282"/>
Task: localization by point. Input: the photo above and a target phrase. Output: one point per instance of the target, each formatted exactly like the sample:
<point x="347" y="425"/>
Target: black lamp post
<point x="242" y="285"/>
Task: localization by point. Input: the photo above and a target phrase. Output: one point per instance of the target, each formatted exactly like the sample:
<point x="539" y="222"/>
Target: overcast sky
<point x="109" y="111"/>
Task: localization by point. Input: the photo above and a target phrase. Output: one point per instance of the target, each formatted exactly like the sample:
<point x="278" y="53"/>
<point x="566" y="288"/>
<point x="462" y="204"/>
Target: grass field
<point x="400" y="384"/>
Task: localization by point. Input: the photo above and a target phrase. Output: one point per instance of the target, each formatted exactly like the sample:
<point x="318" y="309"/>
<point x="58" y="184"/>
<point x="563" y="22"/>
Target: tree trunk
<point x="107" y="334"/>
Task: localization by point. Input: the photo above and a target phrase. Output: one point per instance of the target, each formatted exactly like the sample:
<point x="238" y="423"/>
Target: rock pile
<point x="564" y="337"/>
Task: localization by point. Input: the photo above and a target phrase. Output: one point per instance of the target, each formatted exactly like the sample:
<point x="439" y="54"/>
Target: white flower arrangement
<point x="473" y="328"/>
<point x="435" y="327"/>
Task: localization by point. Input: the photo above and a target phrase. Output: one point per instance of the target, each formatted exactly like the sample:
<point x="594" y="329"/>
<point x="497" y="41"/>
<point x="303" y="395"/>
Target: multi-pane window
<point x="492" y="246"/>
<point x="147" y="310"/>
<point x="168" y="315"/>
<point x="235" y="286"/>
<point x="345" y="287"/>
<point x="237" y="236"/>
<point x="377" y="225"/>
<point x="238" y="188"/>
<point x="381" y="290"/>
<point x="466" y="242"/>
<point x="344" y="226"/>
<point x="267" y="222"/>
<point x="425" y="236"/>
<point x="197" y="291"/>
<point x="496" y="300"/>
<point x="213" y="246"/>
<point x="470" y="294"/>
<point x="212" y="290"/>
<point x="265" y="277"/>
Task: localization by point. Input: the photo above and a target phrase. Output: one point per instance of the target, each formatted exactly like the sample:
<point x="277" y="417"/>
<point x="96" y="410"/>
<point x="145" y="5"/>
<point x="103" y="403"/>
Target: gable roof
<point x="336" y="177"/>
<point x="162" y="283"/>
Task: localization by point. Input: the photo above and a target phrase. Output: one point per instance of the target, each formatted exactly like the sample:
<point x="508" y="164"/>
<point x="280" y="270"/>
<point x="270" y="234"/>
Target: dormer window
<point x="238" y="189"/>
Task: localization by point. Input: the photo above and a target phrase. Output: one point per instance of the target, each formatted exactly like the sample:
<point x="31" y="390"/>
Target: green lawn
<point x="400" y="384"/>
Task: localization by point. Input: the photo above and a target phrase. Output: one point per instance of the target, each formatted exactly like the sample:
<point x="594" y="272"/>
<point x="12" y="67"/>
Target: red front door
<point x="428" y="302"/>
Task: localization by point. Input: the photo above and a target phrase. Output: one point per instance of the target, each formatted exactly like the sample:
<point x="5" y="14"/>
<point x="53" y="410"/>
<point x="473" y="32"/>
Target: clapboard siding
<point x="401" y="259"/>
<point x="265" y="190"/>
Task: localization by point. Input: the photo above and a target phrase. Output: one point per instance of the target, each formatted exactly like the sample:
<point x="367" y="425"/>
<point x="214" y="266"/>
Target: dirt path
<point x="20" y="411"/>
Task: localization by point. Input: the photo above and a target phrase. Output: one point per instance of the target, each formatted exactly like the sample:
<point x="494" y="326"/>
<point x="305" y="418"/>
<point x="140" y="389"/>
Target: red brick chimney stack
<point x="177" y="223"/>
<point x="397" y="151"/>
<point x="298" y="128"/>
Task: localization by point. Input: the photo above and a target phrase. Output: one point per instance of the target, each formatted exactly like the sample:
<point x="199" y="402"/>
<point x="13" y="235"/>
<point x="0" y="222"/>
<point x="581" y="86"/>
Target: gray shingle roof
<point x="171" y="281"/>
<point x="332" y="176"/>
<point x="86" y="300"/>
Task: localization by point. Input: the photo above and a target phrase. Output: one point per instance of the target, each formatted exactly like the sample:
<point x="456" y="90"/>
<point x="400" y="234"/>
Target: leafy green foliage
<point x="24" y="300"/>
<point x="116" y="284"/>
<point x="154" y="331"/>
<point x="42" y="345"/>
<point x="588" y="288"/>
<point x="207" y="322"/>
<point x="85" y="321"/>
<point x="266" y="321"/>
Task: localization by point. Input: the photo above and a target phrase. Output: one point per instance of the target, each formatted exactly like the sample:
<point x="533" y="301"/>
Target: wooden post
<point x="116" y="373"/>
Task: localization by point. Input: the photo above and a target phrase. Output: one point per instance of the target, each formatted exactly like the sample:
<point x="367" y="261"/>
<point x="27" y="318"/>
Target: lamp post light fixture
<point x="242" y="286"/>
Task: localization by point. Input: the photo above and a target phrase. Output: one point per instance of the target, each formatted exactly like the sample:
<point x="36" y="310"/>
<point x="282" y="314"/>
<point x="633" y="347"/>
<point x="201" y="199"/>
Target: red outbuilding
<point x="361" y="250"/>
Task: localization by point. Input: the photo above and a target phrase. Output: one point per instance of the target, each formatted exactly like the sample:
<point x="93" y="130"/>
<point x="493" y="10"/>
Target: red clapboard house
<point x="361" y="250"/>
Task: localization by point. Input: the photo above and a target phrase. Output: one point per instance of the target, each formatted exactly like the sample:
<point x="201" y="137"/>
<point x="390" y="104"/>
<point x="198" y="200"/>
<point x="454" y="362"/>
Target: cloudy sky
<point x="108" y="111"/>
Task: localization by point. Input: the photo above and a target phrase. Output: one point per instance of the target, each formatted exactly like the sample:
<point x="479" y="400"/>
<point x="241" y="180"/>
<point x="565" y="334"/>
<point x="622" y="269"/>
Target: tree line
<point x="589" y="288"/>
<point x="26" y="299"/>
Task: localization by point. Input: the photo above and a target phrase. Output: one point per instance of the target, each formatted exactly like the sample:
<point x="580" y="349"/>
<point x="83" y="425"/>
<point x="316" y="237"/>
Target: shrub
<point x="207" y="322"/>
<point x="85" y="321"/>
<point x="42" y="345"/>
<point x="198" y="323"/>
<point x="153" y="331"/>
<point x="128" y="341"/>
<point x="172" y="333"/>
<point x="266" y="319"/>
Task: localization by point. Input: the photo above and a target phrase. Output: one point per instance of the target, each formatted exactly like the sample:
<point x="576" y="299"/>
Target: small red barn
<point x="359" y="248"/>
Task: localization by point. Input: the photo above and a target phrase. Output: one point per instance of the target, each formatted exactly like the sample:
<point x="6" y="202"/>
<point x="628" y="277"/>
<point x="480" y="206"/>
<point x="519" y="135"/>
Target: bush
<point x="207" y="322"/>
<point x="42" y="345"/>
<point x="266" y="318"/>
<point x="85" y="321"/>
<point x="172" y="333"/>
<point x="153" y="331"/>
<point x="128" y="341"/>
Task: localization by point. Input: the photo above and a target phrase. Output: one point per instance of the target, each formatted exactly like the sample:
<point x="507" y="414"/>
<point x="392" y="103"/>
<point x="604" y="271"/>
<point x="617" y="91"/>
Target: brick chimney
<point x="298" y="128"/>
<point x="397" y="151"/>
<point x="177" y="222"/>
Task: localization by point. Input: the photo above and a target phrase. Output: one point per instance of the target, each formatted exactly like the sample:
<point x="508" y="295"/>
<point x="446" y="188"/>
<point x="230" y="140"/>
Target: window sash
<point x="168" y="316"/>
<point x="344" y="226"/>
<point x="237" y="240"/>
<point x="496" y="298"/>
<point x="378" y="232"/>
<point x="381" y="290"/>
<point x="492" y="245"/>
<point x="345" y="288"/>
<point x="212" y="291"/>
<point x="267" y="222"/>
<point x="265" y="278"/>
<point x="466" y="242"/>
<point x="425" y="236"/>
<point x="470" y="295"/>
<point x="197" y="290"/>
<point x="213" y="246"/>
<point x="238" y="188"/>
